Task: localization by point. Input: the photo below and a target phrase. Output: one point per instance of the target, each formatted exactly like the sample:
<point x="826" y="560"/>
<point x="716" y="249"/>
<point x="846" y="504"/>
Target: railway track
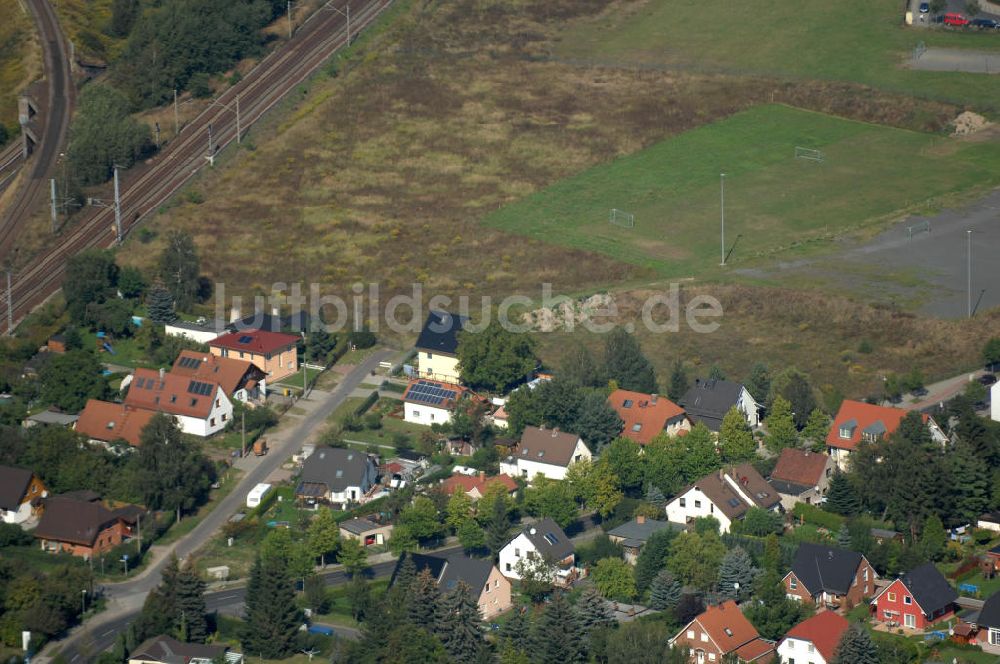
<point x="58" y="110"/>
<point x="144" y="189"/>
<point x="10" y="162"/>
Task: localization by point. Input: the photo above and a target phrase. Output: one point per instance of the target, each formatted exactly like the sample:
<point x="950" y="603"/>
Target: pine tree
<point x="652" y="558"/>
<point x="773" y="613"/>
<point x="191" y="604"/>
<point x="460" y="626"/>
<point x="679" y="382"/>
<point x="856" y="647"/>
<point x="933" y="538"/>
<point x="736" y="442"/>
<point x="272" y="619"/>
<point x="516" y="632"/>
<point x="841" y="498"/>
<point x="655" y="497"/>
<point x="557" y="637"/>
<point x="736" y="574"/>
<point x="159" y="613"/>
<point x="625" y="364"/>
<point x="406" y="575"/>
<point x="160" y="304"/>
<point x="425" y="602"/>
<point x="772" y="559"/>
<point x="970" y="484"/>
<point x="758" y="383"/>
<point x="593" y="611"/>
<point x="665" y="591"/>
<point x="844" y="537"/>
<point x="498" y="526"/>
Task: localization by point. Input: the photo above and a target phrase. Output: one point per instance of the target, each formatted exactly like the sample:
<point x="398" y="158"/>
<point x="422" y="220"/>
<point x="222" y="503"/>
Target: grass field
<point x="851" y="40"/>
<point x="773" y="200"/>
<point x="20" y="59"/>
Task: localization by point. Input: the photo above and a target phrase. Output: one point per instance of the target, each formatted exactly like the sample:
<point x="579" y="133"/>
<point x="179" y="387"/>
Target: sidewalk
<point x="941" y="391"/>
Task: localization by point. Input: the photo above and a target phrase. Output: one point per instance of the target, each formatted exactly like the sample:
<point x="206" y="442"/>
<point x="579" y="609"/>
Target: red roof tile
<point x="800" y="467"/>
<point x="231" y="374"/>
<point x="469" y="482"/>
<point x="857" y="416"/>
<point x="758" y="651"/>
<point x="106" y="421"/>
<point x="823" y="630"/>
<point x="727" y="626"/>
<point x="170" y="393"/>
<point x="255" y="341"/>
<point x="649" y="411"/>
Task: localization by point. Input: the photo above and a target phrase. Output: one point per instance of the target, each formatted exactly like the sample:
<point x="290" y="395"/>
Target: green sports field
<point x="846" y="40"/>
<point x="778" y="204"/>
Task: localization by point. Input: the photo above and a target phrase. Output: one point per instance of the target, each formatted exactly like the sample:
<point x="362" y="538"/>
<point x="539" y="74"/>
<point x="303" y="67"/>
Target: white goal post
<point x="621" y="218"/>
<point x="808" y="154"/>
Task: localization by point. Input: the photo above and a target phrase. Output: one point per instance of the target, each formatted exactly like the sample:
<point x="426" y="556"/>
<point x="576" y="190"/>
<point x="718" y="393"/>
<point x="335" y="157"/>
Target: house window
<point x="697" y="504"/>
<point x="891" y="597"/>
<point x="508" y="567"/>
<point x="845" y="434"/>
<point x="683" y="502"/>
<point x="432" y="417"/>
<point x="429" y="356"/>
<point x="627" y="403"/>
<point x="704" y="637"/>
<point x="907" y="600"/>
<point x="212" y="421"/>
<point x="637" y="427"/>
<point x="790" y="660"/>
<point x="866" y="575"/>
<point x="416" y="413"/>
<point x="224" y="417"/>
<point x="711" y="508"/>
<point x="994" y="636"/>
<point x="909" y="620"/>
<point x="690" y="634"/>
<point x="793" y="583"/>
<point x="241" y="355"/>
<point x="517" y="553"/>
<point x="711" y="656"/>
<point x="487" y="587"/>
<point x="216" y="403"/>
<point x="812" y="648"/>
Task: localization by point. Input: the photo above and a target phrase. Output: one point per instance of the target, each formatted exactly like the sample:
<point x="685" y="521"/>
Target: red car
<point x="955" y="19"/>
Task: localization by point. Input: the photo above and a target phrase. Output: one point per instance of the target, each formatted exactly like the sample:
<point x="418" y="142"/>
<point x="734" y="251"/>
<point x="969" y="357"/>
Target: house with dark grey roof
<point x="83" y="526"/>
<point x="366" y="531"/>
<point x="437" y="346"/>
<point x="988" y="625"/>
<point x="916" y="600"/>
<point x="725" y="495"/>
<point x="829" y="576"/>
<point x="168" y="650"/>
<point x="53" y="417"/>
<point x="708" y="401"/>
<point x="545" y="452"/>
<point x="487" y="585"/>
<point x="336" y="475"/>
<point x="632" y="535"/>
<point x="20" y="494"/>
<point x="542" y="542"/>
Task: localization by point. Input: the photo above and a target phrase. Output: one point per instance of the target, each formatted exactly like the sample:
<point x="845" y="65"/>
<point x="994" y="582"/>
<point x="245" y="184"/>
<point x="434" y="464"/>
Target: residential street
<point x="941" y="391"/>
<point x="125" y="598"/>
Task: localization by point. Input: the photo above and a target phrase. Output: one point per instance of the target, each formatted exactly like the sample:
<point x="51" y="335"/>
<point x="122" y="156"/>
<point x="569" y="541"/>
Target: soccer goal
<point x="808" y="154"/>
<point x="622" y="218"/>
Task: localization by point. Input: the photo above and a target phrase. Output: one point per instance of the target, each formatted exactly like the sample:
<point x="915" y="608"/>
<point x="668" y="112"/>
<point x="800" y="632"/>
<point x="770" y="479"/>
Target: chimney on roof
<point x="234" y="314"/>
<point x="640" y="519"/>
<point x="162" y="372"/>
<point x="653" y="397"/>
<point x="482" y="474"/>
<point x="274" y="311"/>
<point x="555" y="431"/>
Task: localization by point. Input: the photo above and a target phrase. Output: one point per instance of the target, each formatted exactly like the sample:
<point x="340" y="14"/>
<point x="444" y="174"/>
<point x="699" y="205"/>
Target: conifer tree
<point x="425" y="602"/>
<point x="593" y="611"/>
<point x="665" y="591"/>
<point x="970" y="484"/>
<point x="406" y="575"/>
<point x="736" y="442"/>
<point x="655" y="496"/>
<point x="190" y="604"/>
<point x="781" y="432"/>
<point x="557" y="637"/>
<point x="679" y="383"/>
<point x="160" y="304"/>
<point x="652" y="558"/>
<point x="844" y="537"/>
<point x="159" y="611"/>
<point x="272" y="618"/>
<point x="841" y="498"/>
<point x="736" y="574"/>
<point x="625" y="364"/>
<point x="856" y="647"/>
<point x="516" y="632"/>
<point x="816" y="429"/>
<point x="460" y="627"/>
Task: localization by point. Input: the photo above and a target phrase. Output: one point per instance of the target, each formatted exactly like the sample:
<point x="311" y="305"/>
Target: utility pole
<point x="10" y="308"/>
<point x="55" y="214"/>
<point x="968" y="235"/>
<point x="118" y="211"/>
<point x="348" y="24"/>
<point x="243" y="429"/>
<point x="289" y="19"/>
<point x="305" y="383"/>
<point x="157" y="136"/>
<point x="722" y="214"/>
<point x="211" y="152"/>
<point x="177" y="123"/>
<point x="238" y="130"/>
<point x="138" y="538"/>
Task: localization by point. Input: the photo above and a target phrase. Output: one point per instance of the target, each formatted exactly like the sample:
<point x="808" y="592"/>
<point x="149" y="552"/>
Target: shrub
<point x="352" y="422"/>
<point x="816" y="516"/>
<point x="373" y="421"/>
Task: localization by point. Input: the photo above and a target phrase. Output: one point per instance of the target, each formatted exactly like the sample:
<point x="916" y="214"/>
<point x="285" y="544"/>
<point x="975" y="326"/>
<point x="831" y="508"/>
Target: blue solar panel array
<point x="429" y="393"/>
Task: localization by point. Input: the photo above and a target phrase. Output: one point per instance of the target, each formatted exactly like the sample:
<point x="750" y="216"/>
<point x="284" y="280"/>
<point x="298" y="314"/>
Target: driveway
<point x="127" y="597"/>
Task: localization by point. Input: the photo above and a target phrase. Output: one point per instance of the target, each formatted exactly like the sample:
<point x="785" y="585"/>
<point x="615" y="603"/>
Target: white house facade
<point x="546" y="452"/>
<point x="218" y="417"/>
<point x="694" y="504"/>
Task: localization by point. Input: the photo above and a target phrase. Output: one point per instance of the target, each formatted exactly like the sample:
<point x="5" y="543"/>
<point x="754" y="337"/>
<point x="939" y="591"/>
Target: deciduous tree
<point x="180" y="269"/>
<point x="736" y="442"/>
<point x="495" y="359"/>
<point x="613" y="578"/>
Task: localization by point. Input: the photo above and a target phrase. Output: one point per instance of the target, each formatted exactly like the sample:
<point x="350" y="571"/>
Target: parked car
<point x="988" y="379"/>
<point x="953" y="18"/>
<point x="985" y="24"/>
<point x="924" y="7"/>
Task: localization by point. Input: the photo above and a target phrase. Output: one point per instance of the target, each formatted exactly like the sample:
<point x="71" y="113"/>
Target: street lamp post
<point x="722" y="215"/>
<point x="968" y="235"/>
<point x="83" y="597"/>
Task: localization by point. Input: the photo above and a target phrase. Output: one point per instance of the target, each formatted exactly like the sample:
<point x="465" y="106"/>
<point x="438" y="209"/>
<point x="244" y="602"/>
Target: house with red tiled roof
<point x="241" y="380"/>
<point x="201" y="408"/>
<point x="646" y="415"/>
<point x="814" y="640"/>
<point x="274" y="353"/>
<point x="801" y="476"/>
<point x="107" y="422"/>
<point x="476" y="486"/>
<point x="719" y="631"/>
<point x="430" y="402"/>
<point x="857" y="421"/>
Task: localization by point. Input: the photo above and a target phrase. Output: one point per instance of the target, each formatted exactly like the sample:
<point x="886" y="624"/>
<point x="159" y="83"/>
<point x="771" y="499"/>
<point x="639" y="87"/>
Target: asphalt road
<point x="127" y="597"/>
<point x="58" y="110"/>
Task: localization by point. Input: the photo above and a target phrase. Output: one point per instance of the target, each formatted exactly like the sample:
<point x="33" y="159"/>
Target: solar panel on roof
<point x="198" y="387"/>
<point x="189" y="362"/>
<point x="734" y="502"/>
<point x="245" y="339"/>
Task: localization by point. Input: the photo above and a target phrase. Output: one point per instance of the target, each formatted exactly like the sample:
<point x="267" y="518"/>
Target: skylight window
<point x="637" y="427"/>
<point x="245" y="339"/>
<point x="627" y="403"/>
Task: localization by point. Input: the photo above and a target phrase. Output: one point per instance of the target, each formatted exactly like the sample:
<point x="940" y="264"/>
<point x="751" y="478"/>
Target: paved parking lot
<point x="989" y="10"/>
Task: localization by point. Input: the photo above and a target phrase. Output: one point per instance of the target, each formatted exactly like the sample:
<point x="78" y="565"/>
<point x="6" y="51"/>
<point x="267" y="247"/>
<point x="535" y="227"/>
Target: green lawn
<point x="295" y="380"/>
<point x="776" y="202"/>
<point x="390" y="425"/>
<point x="850" y="40"/>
